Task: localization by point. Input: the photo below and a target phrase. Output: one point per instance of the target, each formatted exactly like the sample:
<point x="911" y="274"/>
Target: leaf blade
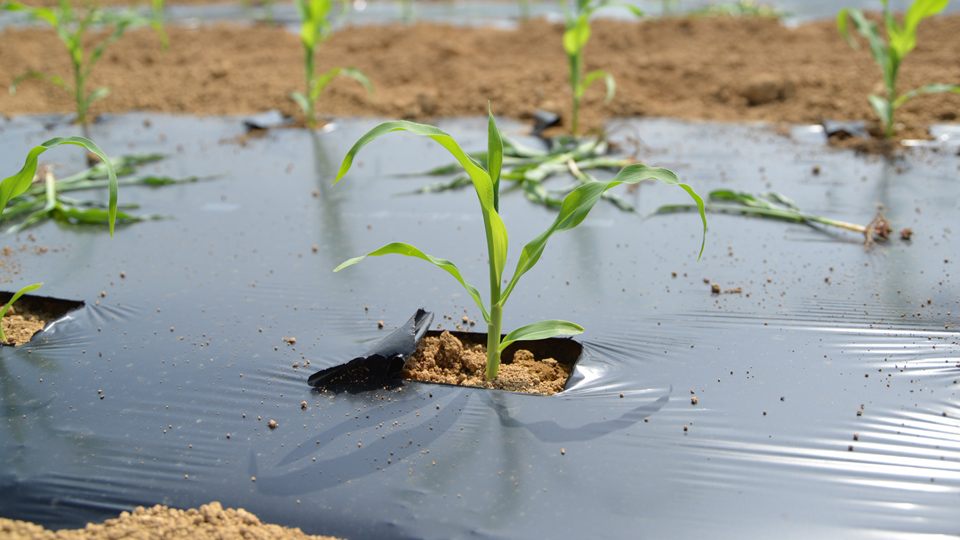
<point x="541" y="330"/>
<point x="407" y="250"/>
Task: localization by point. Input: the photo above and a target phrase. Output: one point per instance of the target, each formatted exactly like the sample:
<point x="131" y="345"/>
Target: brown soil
<point x="210" y="522"/>
<point x="29" y="314"/>
<point x="20" y="327"/>
<point x="730" y="69"/>
<point x="445" y="359"/>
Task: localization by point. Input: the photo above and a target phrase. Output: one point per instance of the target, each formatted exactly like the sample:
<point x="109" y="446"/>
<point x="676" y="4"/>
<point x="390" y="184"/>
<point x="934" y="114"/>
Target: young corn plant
<point x="314" y="30"/>
<point x="741" y="8"/>
<point x="45" y="199"/>
<point x="486" y="181"/>
<point x="888" y="52"/>
<point x="17" y="184"/>
<point x="71" y="27"/>
<point x="575" y="38"/>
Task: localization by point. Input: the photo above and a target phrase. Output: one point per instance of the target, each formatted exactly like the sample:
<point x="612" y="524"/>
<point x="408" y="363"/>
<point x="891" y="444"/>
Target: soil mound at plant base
<point x="19" y="328"/>
<point x="445" y="359"/>
<point x="211" y="521"/>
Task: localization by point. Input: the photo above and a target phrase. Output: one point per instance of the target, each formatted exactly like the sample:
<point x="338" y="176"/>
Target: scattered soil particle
<point x="445" y="359"/>
<point x="210" y="522"/>
<point x="905" y="234"/>
<point x="719" y="68"/>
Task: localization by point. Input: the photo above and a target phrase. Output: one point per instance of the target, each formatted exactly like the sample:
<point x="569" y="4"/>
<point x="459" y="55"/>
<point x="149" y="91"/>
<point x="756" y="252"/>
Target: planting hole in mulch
<point x="460" y="358"/>
<point x="30" y="314"/>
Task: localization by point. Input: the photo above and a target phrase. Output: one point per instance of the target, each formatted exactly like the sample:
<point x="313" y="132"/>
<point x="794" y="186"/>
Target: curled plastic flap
<point x="543" y="120"/>
<point x="266" y="120"/>
<point x="382" y="362"/>
<point x="845" y="130"/>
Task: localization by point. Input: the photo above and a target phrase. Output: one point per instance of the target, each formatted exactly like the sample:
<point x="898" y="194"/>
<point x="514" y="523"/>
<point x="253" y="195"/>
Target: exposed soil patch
<point x="729" y="69"/>
<point x="210" y="522"/>
<point x="445" y="359"/>
<point x="29" y="314"/>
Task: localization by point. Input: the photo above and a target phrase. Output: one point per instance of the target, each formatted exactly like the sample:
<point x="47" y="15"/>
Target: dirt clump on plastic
<point x="715" y="68"/>
<point x="445" y="359"/>
<point x="210" y="522"/>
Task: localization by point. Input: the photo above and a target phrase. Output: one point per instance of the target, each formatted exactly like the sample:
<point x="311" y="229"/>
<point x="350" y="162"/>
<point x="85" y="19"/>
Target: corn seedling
<point x="45" y="199"/>
<point x="741" y="8"/>
<point x="778" y="206"/>
<point x="486" y="181"/>
<point x="524" y="6"/>
<point x="527" y="168"/>
<point x="668" y="7"/>
<point x="575" y="38"/>
<point x="15" y="185"/>
<point x="889" y="52"/>
<point x="71" y="28"/>
<point x="315" y="29"/>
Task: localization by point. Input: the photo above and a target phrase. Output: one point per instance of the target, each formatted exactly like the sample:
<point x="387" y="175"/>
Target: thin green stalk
<point x="576" y="71"/>
<point x="494" y="329"/>
<point x="308" y="68"/>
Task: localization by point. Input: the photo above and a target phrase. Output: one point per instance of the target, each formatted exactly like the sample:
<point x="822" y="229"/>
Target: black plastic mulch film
<point x="826" y="394"/>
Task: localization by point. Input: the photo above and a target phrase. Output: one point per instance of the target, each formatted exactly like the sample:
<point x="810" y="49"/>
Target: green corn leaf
<point x="97" y="95"/>
<point x="97" y="216"/>
<point x="494" y="156"/>
<point x="301" y="100"/>
<point x="866" y="28"/>
<point x="630" y="7"/>
<point x="594" y="76"/>
<point x="309" y="33"/>
<point x="18" y="183"/>
<point x="843" y="17"/>
<point x="14" y="298"/>
<point x="517" y="149"/>
<point x="358" y="76"/>
<point x="928" y="89"/>
<point x="496" y="230"/>
<point x="576" y="37"/>
<point x="580" y="201"/>
<point x="919" y="10"/>
<point x="541" y="330"/>
<point x="883" y="108"/>
<point x="321" y="82"/>
<point x="399" y="248"/>
<point x="40" y="76"/>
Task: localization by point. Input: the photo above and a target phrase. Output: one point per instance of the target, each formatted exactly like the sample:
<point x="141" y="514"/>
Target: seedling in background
<point x="45" y="200"/>
<point x="575" y="38"/>
<point x="314" y="30"/>
<point x="72" y="30"/>
<point x="888" y="52"/>
<point x="17" y="184"/>
<point x="742" y="8"/>
<point x="486" y="182"/>
<point x="778" y="206"/>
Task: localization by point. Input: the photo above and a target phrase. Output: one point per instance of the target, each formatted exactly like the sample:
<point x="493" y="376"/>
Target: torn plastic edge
<point x="385" y="361"/>
<point x="845" y="130"/>
<point x="543" y="120"/>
